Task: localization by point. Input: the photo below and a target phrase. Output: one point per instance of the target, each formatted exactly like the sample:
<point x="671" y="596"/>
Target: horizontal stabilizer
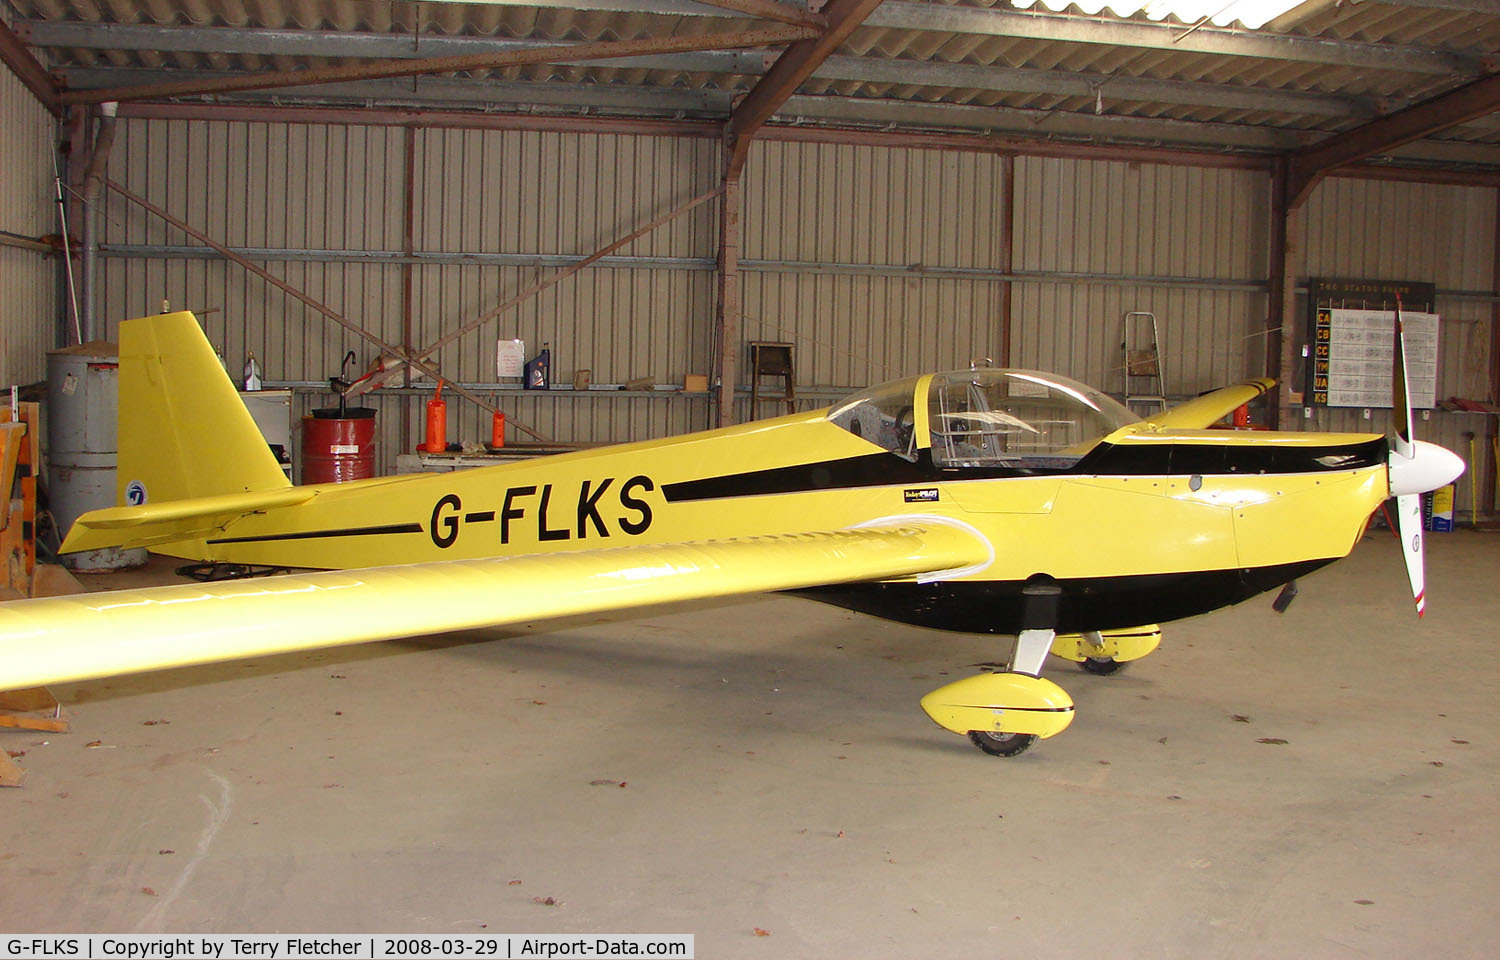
<point x="154" y="523"/>
<point x="1201" y="412"/>
<point x="62" y="639"/>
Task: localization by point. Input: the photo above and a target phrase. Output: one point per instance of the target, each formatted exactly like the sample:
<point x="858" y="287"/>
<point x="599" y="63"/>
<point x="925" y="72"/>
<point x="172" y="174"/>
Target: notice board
<point x="1351" y="325"/>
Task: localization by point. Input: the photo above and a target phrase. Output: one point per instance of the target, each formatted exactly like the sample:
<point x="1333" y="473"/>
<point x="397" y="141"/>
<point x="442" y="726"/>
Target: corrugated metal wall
<point x="814" y="213"/>
<point x="1144" y="220"/>
<point x="1443" y="235"/>
<point x="28" y="323"/>
<point x="876" y="262"/>
<point x="305" y="190"/>
<point x="494" y="192"/>
<point x="253" y="185"/>
<point x="1089" y="226"/>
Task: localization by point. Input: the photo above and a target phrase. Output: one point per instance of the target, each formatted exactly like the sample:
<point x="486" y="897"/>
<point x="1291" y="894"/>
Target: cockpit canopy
<point x="987" y="418"/>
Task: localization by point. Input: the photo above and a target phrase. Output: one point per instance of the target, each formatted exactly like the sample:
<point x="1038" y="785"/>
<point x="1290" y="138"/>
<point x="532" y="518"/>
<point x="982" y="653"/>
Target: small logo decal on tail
<point x="135" y="493"/>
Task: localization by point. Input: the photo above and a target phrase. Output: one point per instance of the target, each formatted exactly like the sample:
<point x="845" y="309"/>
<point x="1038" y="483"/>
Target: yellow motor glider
<point x="1004" y="502"/>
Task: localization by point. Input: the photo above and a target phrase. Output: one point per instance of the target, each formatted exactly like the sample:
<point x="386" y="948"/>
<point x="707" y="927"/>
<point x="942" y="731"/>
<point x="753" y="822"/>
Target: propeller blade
<point x="1409" y="517"/>
<point x="1401" y="419"/>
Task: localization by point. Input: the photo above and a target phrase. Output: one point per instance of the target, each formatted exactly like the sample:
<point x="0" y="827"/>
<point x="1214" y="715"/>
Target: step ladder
<point x="771" y="376"/>
<point x="1145" y="380"/>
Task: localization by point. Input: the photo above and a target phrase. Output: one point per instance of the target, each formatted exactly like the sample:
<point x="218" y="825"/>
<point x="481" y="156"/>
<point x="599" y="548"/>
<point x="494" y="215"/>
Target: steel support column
<point x="1007" y="251"/>
<point x="794" y="66"/>
<point x="727" y="327"/>
<point x="1491" y="456"/>
<point x="408" y="248"/>
<point x="1287" y="226"/>
<point x="1276" y="283"/>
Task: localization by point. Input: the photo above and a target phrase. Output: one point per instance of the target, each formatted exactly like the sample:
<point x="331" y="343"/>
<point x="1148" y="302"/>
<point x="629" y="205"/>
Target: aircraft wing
<point x="1200" y="412"/>
<point x="62" y="639"/>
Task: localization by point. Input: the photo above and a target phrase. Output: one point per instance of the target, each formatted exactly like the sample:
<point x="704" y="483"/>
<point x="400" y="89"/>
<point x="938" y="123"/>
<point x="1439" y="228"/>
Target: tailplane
<point x="190" y="455"/>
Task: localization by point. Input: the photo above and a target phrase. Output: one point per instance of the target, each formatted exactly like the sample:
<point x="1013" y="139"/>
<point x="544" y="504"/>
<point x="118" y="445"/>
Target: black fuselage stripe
<point x="995" y="706"/>
<point x="1112" y="460"/>
<point x="1089" y="603"/>
<point x="320" y="534"/>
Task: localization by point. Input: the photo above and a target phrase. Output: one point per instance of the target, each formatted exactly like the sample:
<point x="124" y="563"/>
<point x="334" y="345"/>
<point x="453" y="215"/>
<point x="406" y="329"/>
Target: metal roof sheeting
<point x="936" y="64"/>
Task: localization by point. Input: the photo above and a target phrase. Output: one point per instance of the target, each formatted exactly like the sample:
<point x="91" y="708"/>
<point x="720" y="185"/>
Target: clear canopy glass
<point x="988" y="418"/>
<point x="882" y="415"/>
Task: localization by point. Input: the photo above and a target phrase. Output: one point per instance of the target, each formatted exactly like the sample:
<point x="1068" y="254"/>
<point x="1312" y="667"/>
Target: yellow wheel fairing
<point x="1121" y="646"/>
<point x="1001" y="702"/>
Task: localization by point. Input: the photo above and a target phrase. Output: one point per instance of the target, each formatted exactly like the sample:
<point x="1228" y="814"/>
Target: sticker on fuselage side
<point x="135" y="493"/>
<point x="548" y="511"/>
<point x="922" y="495"/>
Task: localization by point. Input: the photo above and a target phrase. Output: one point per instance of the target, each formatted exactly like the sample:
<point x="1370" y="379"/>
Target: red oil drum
<point x="338" y="445"/>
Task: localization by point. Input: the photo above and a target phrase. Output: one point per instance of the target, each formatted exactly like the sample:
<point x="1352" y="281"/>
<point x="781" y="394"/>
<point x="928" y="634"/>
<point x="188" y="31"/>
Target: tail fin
<point x="184" y="432"/>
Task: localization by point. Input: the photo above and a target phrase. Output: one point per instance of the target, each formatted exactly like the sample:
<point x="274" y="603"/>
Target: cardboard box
<point x="1437" y="509"/>
<point x="695" y="383"/>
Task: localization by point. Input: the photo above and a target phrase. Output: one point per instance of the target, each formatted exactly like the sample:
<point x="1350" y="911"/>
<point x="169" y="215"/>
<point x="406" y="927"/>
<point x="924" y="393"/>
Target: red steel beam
<point x="705" y="129"/>
<point x="1470" y="101"/>
<point x="772" y="10"/>
<point x="1020" y="146"/>
<point x="788" y="73"/>
<point x="382" y="69"/>
<point x="426" y="119"/>
<point x="18" y="57"/>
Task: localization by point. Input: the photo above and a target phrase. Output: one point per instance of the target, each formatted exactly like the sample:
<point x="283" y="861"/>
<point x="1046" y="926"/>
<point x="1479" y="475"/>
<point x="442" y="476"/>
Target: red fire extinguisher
<point x="497" y="430"/>
<point x="437" y="422"/>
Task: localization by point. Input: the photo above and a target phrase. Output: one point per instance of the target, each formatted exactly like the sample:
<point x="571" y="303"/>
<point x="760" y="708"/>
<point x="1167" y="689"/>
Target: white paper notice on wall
<point x="510" y="358"/>
<point x="1358" y="361"/>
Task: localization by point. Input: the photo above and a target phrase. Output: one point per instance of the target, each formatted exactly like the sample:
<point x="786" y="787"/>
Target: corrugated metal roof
<point x="944" y="64"/>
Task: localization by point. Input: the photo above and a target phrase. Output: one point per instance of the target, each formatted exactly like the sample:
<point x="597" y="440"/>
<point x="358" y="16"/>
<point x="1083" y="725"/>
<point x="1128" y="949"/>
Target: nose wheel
<point x="998" y="744"/>
<point x="1101" y="666"/>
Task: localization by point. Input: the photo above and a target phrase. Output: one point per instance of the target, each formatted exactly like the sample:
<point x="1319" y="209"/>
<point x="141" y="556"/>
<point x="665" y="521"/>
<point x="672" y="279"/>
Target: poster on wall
<point x="1352" y="322"/>
<point x="510" y="358"/>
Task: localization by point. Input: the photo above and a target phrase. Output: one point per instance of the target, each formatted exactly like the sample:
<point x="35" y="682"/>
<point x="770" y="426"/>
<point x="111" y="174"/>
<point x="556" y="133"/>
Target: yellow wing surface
<point x="63" y="639"/>
<point x="1210" y="408"/>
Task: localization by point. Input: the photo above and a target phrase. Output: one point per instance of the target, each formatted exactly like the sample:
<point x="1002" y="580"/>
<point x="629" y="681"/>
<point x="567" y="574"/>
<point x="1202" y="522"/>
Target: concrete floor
<point x="764" y="764"/>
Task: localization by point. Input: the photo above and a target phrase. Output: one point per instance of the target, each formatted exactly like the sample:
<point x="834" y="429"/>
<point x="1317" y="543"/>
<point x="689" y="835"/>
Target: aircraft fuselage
<point x="1149" y="526"/>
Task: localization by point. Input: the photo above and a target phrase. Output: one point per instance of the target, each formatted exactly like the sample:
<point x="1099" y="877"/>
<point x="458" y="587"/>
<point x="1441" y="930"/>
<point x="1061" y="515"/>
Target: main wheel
<point x="998" y="744"/>
<point x="1102" y="666"/>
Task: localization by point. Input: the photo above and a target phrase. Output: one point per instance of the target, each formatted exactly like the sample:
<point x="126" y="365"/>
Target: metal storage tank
<point x="83" y="388"/>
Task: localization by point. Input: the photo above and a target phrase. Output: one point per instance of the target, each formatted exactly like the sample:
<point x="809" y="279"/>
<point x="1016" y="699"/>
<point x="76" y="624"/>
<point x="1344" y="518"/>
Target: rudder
<point x="184" y="432"/>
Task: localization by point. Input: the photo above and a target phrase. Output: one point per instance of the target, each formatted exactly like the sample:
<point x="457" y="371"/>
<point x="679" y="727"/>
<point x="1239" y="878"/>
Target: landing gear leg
<point x="1030" y="651"/>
